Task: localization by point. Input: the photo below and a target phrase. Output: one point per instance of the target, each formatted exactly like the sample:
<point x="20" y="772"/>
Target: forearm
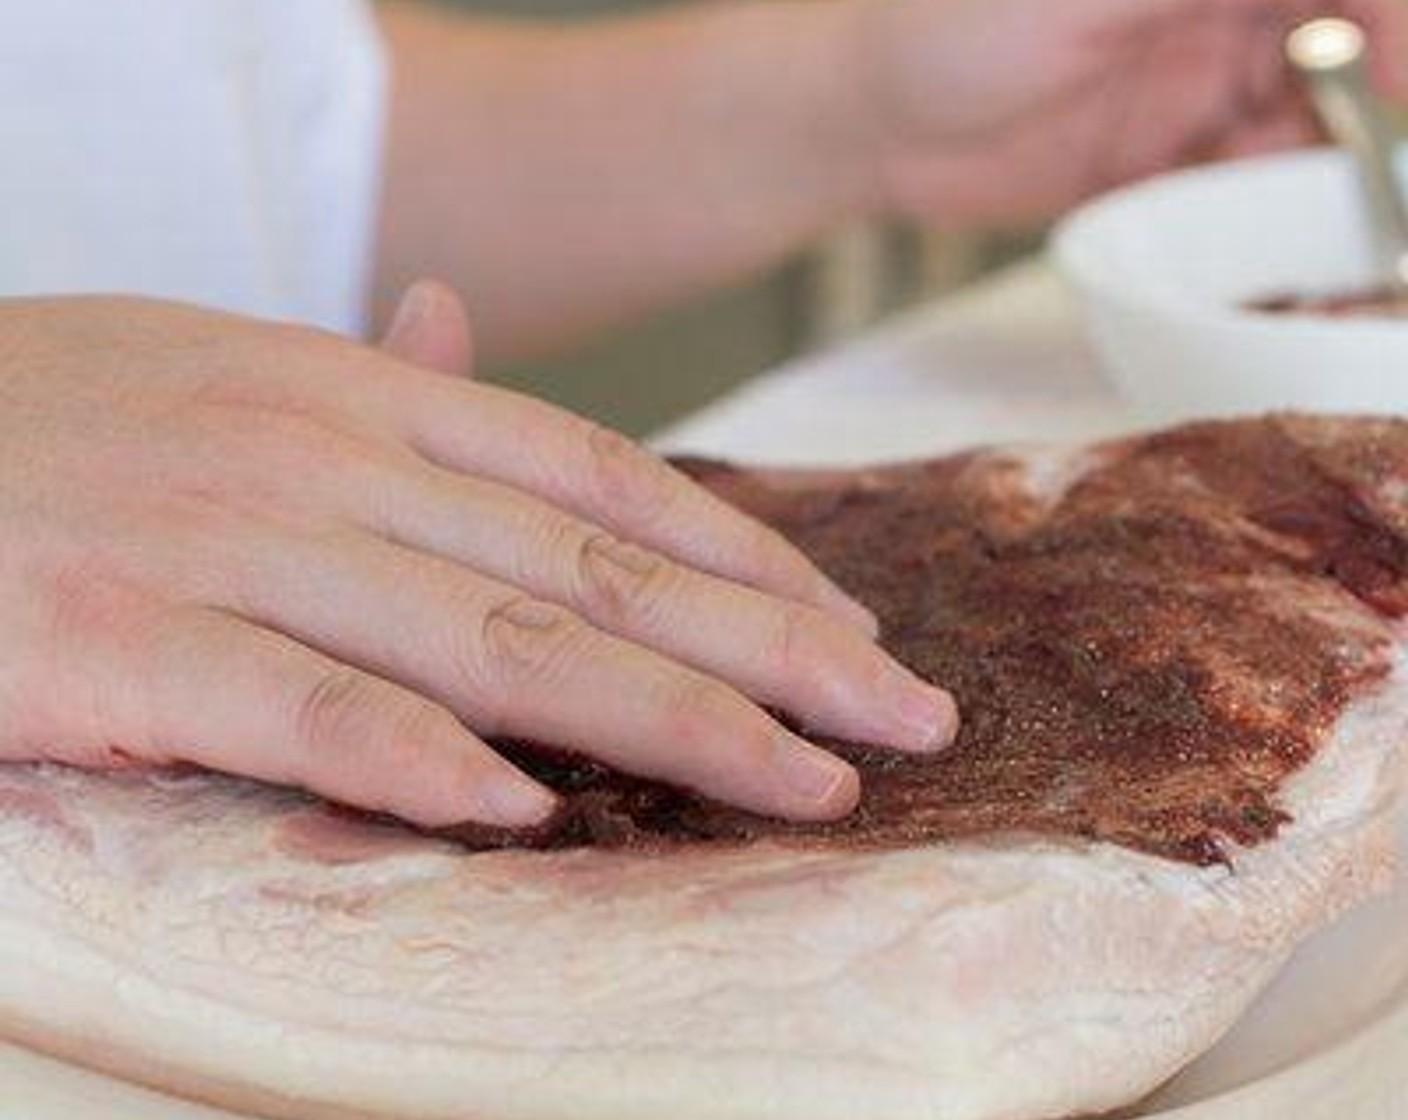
<point x="566" y="178"/>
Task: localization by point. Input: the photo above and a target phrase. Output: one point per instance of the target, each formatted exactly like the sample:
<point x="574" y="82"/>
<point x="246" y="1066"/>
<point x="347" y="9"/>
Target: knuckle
<point x="348" y="722"/>
<point x="523" y="642"/>
<point x="622" y="477"/>
<point x="285" y="438"/>
<point x="619" y="582"/>
<point x="697" y="711"/>
<point x="338" y="709"/>
<point x="301" y="439"/>
<point x="796" y="636"/>
<point x="303" y="462"/>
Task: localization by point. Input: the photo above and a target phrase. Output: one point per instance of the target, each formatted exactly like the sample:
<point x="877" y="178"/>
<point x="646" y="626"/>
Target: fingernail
<point x="927" y="716"/>
<point x="814" y="775"/>
<point x="517" y="802"/>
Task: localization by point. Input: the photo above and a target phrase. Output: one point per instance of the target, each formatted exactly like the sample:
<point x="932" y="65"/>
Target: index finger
<point x="601" y="475"/>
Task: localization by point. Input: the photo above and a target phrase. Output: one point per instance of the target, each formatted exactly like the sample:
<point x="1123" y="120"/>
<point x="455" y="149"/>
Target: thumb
<point x="431" y="328"/>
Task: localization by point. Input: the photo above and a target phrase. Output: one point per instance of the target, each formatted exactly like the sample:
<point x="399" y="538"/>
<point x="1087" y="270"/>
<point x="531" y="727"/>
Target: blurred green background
<point x="652" y="372"/>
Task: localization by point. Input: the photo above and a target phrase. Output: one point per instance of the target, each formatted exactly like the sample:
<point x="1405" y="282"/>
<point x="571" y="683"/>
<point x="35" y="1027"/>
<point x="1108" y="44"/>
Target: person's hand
<point x="273" y="552"/>
<point x="986" y="112"/>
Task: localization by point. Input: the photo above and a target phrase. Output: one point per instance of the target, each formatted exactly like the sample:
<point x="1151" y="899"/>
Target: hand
<point x="984" y="112"/>
<point x="272" y="552"/>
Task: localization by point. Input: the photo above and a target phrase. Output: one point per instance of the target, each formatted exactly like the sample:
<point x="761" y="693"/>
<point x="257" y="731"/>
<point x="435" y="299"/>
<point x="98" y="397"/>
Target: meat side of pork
<point x="255" y="948"/>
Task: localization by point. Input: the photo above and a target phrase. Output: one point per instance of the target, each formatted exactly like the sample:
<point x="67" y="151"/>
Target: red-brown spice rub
<point x="1367" y="303"/>
<point x="1142" y="654"/>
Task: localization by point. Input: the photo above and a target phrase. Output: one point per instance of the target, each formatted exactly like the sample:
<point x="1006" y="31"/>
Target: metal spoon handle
<point x="1331" y="54"/>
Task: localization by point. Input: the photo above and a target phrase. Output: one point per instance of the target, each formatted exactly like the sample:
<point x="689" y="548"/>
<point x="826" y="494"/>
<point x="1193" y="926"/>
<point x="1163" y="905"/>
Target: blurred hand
<point x="272" y="552"/>
<point x="985" y="112"/>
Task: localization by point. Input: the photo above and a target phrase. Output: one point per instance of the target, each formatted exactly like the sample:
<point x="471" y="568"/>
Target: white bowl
<point x="1164" y="270"/>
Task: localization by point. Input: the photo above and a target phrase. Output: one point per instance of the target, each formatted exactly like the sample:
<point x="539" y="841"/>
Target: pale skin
<point x="588" y="173"/>
<point x="268" y="550"/>
<point x="350" y="568"/>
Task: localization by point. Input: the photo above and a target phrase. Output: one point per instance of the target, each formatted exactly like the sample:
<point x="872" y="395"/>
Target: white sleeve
<point x="224" y="152"/>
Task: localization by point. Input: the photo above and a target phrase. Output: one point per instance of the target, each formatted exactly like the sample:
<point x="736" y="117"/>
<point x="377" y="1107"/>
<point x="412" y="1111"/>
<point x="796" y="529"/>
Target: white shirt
<point x="222" y="152"/>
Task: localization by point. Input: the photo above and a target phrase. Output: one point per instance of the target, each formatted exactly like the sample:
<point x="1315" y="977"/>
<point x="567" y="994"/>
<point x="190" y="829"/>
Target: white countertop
<point x="1004" y="361"/>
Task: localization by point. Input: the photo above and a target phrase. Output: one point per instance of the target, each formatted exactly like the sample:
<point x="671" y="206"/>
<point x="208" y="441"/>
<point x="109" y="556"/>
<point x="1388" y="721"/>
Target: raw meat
<point x="1141" y="656"/>
<point x="1186" y="690"/>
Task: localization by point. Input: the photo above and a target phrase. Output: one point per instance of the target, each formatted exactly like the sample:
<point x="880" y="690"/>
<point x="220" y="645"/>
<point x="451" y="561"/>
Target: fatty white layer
<point x="169" y="931"/>
<point x="964" y="983"/>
